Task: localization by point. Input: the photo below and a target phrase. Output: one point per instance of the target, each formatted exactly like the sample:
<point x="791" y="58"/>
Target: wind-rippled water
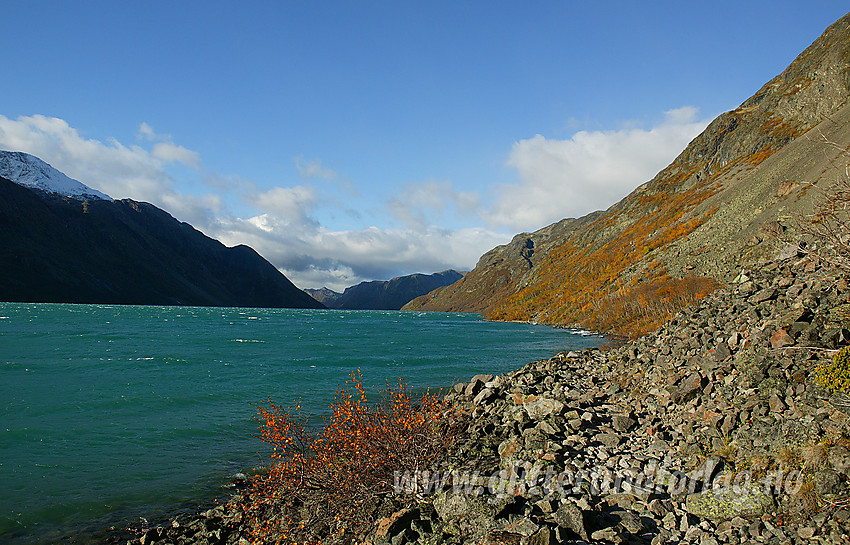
<point x="110" y="413"/>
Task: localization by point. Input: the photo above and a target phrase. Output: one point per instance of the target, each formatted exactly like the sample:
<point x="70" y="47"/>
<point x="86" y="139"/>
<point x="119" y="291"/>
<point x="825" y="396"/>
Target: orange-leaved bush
<point x="329" y="481"/>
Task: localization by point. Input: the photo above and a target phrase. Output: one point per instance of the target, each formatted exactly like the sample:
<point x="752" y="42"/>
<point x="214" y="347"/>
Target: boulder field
<point x="713" y="429"/>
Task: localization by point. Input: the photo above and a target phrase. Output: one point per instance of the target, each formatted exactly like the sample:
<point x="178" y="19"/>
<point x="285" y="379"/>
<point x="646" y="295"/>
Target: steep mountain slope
<point x="61" y="249"/>
<point x="30" y="171"/>
<point x="323" y="295"/>
<point x="708" y="213"/>
<point x="385" y="295"/>
<point x="501" y="270"/>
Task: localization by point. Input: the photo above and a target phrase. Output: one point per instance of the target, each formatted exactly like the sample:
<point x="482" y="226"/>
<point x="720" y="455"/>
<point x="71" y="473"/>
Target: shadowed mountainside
<point x="385" y="295"/>
<point x="60" y="249"/>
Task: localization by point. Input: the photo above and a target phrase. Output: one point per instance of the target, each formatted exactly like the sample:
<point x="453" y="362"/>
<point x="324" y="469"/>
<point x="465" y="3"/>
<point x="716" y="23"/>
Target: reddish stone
<point x="781" y="338"/>
<point x="388" y="527"/>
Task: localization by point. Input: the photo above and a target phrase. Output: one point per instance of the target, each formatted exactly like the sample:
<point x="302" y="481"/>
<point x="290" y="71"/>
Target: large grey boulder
<point x="570" y="517"/>
<point x="543" y="408"/>
<point x="728" y="502"/>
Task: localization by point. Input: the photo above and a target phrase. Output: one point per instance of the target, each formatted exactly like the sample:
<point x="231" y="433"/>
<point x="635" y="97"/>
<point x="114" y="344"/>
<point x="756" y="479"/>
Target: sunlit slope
<point x="702" y="218"/>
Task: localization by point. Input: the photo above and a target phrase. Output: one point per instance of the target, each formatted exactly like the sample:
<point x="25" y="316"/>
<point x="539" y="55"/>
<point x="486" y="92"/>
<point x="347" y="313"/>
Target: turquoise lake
<point x="113" y="413"/>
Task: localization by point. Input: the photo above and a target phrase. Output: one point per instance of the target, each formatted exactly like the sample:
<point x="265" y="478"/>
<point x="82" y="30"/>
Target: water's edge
<point x="167" y="392"/>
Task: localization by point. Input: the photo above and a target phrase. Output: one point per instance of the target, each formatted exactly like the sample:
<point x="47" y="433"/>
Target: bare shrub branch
<point x="828" y="226"/>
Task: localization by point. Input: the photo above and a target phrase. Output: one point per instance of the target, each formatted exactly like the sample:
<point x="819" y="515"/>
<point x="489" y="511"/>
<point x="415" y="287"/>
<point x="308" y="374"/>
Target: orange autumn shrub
<point x="328" y="482"/>
<point x="647" y="305"/>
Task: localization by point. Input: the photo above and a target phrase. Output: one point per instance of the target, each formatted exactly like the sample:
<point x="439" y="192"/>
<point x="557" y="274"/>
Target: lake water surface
<point x="111" y="413"/>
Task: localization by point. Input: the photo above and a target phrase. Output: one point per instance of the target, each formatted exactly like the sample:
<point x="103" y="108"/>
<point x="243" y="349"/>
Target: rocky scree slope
<point x="710" y="430"/>
<point x="706" y="215"/>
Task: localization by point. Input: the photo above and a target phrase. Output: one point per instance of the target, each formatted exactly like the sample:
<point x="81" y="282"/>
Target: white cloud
<point x="118" y="170"/>
<point x="413" y="202"/>
<point x="317" y="256"/>
<point x="313" y="168"/>
<point x="166" y="150"/>
<point x="290" y="205"/>
<point x="113" y="168"/>
<point x="589" y="171"/>
<point x="557" y="179"/>
<point x="335" y="276"/>
<point x="146" y="132"/>
<point x="417" y="204"/>
<point x="681" y="116"/>
<point x="202" y="211"/>
<point x="172" y="153"/>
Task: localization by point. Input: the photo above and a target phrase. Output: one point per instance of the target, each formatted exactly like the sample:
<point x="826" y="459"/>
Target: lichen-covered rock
<point x="728" y="502"/>
<point x="570" y="517"/>
<point x="389" y="527"/>
<point x="839" y="459"/>
<point x="543" y="408"/>
<point x="467" y="514"/>
<point x="688" y="389"/>
<point x="522" y="526"/>
<point x="609" y="439"/>
<point x="622" y="423"/>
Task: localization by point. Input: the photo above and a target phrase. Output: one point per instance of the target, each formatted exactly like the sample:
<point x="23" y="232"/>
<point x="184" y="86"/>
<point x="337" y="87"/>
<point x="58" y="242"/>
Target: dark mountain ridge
<point x="385" y="294"/>
<point x="63" y="250"/>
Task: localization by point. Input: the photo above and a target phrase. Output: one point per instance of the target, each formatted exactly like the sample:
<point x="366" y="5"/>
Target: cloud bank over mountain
<point x="424" y="226"/>
<point x="589" y="171"/>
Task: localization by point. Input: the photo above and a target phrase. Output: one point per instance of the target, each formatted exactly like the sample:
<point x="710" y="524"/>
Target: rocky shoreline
<point x="710" y="430"/>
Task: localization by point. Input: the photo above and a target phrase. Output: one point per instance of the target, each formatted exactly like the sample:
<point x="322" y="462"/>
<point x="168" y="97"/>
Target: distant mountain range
<point x="65" y="242"/>
<point x="385" y="295"/>
<point x="714" y="210"/>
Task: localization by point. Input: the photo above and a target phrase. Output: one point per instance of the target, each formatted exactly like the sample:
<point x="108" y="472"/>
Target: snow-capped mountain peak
<point x="30" y="171"/>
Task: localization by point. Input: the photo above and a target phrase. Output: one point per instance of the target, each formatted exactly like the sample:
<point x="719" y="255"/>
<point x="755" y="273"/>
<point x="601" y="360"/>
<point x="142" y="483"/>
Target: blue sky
<point x="351" y="141"/>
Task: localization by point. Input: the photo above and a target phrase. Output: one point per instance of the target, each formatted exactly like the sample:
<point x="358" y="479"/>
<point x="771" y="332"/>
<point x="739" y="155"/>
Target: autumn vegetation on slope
<point x="587" y="282"/>
<point x="603" y="276"/>
<point x="613" y="284"/>
<point x="625" y="270"/>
